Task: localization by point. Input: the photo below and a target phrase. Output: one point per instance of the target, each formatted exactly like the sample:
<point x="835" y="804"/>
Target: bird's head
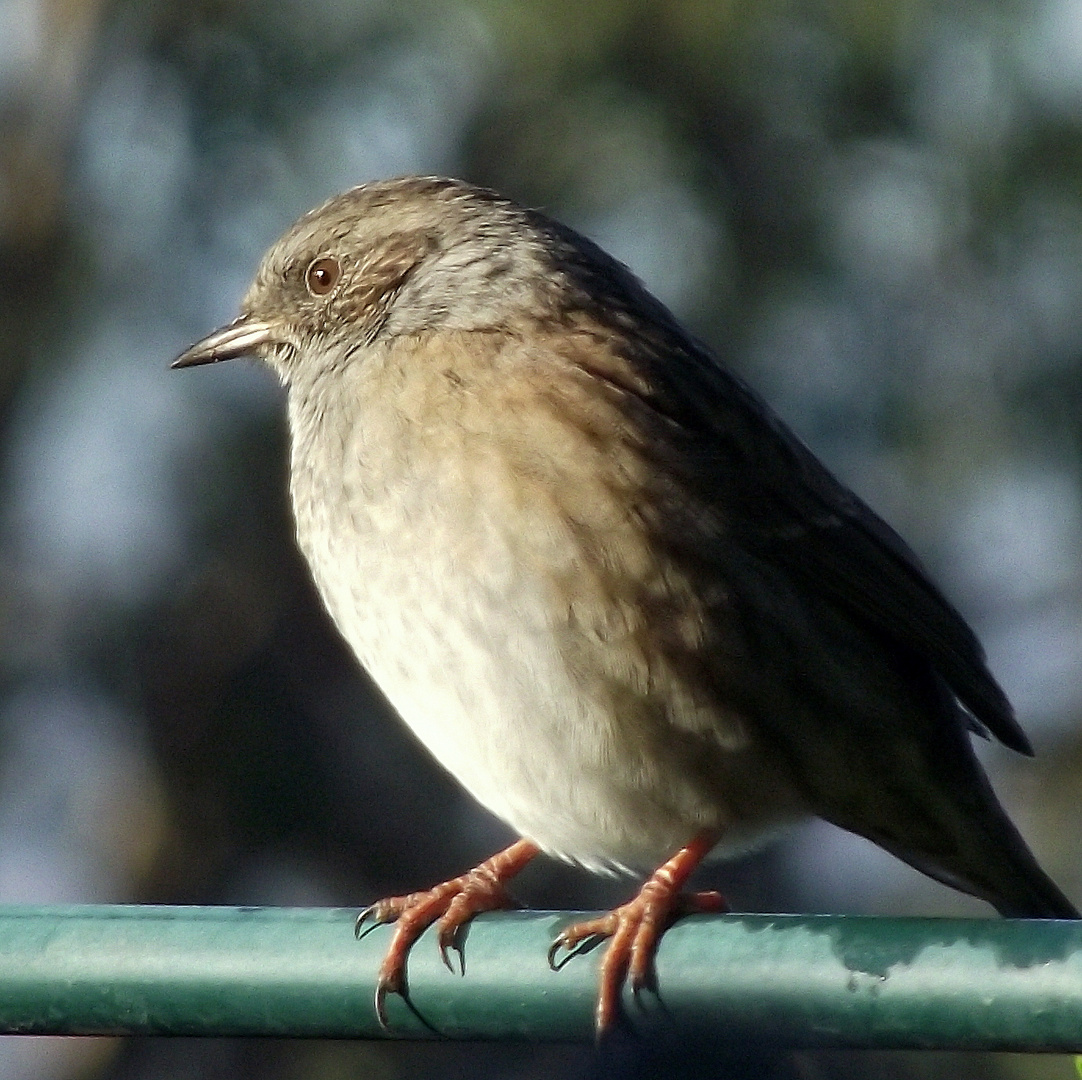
<point x="386" y="259"/>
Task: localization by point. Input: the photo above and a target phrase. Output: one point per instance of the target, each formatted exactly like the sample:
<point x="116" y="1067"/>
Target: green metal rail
<point x="793" y="980"/>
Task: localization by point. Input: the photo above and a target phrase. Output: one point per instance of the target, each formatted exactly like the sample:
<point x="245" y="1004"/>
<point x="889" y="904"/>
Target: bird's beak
<point x="241" y="336"/>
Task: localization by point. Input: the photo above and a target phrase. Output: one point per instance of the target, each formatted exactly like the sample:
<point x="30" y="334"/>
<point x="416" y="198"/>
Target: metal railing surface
<point x="802" y="981"/>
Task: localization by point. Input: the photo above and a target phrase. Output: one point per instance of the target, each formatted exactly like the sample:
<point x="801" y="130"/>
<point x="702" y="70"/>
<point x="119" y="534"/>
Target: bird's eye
<point x="322" y="275"/>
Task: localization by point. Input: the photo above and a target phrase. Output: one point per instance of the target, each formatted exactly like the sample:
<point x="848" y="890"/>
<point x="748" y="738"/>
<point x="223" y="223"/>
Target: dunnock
<point x="600" y="579"/>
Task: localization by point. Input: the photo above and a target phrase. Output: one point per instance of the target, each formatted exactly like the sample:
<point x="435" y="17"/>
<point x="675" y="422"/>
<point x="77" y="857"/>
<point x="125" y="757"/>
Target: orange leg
<point x="637" y="926"/>
<point x="450" y="905"/>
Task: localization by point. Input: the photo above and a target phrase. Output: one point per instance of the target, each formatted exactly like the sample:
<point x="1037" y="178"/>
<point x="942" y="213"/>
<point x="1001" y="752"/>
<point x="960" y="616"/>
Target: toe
<point x="613" y="971"/>
<point x="451" y="904"/>
<point x="640" y="967"/>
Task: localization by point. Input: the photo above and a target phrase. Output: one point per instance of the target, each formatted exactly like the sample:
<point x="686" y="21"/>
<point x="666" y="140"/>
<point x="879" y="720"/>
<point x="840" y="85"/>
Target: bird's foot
<point x="450" y="905"/>
<point x="635" y="929"/>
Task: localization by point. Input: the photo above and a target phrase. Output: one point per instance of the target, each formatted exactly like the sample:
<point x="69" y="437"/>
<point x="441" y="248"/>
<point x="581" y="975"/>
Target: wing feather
<point x="746" y="475"/>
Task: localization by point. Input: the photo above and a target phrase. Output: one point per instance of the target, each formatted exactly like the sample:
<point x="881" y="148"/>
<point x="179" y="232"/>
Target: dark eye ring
<point x="322" y="275"/>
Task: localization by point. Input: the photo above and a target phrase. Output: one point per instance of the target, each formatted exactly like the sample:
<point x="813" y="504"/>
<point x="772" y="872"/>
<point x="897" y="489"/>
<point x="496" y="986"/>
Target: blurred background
<point x="875" y="206"/>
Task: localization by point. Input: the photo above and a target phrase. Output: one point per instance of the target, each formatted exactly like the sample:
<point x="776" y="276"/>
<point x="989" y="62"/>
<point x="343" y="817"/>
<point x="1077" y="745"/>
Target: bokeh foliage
<point x="873" y="210"/>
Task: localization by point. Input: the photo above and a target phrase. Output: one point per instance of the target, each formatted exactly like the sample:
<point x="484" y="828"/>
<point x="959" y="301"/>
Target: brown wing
<point x="823" y="534"/>
<point x="752" y="480"/>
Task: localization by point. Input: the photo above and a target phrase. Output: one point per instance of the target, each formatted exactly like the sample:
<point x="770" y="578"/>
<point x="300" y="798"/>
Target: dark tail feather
<point x="1012" y="880"/>
<point x="1017" y="887"/>
<point x="997" y="866"/>
<point x="1036" y="896"/>
<point x="1049" y="904"/>
<point x="991" y="859"/>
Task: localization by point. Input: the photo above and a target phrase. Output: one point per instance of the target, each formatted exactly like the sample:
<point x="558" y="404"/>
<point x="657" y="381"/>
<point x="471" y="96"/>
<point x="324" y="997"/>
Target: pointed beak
<point x="241" y="336"/>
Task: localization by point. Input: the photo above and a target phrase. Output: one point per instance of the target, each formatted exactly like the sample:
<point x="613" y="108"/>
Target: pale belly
<point x="527" y="705"/>
<point x="494" y="705"/>
<point x="474" y="670"/>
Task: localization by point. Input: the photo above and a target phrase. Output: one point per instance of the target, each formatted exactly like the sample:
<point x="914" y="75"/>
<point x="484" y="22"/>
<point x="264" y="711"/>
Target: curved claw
<point x="444" y="950"/>
<point x="450" y="930"/>
<point x="445" y="946"/>
<point x="358" y="927"/>
<point x="380" y="913"/>
<point x="554" y="948"/>
<point x="388" y="982"/>
<point x="574" y="945"/>
<point x="381" y="1005"/>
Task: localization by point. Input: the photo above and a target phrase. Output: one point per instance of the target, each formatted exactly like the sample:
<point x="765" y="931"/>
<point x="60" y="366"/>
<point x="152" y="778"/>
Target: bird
<point x="601" y="580"/>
